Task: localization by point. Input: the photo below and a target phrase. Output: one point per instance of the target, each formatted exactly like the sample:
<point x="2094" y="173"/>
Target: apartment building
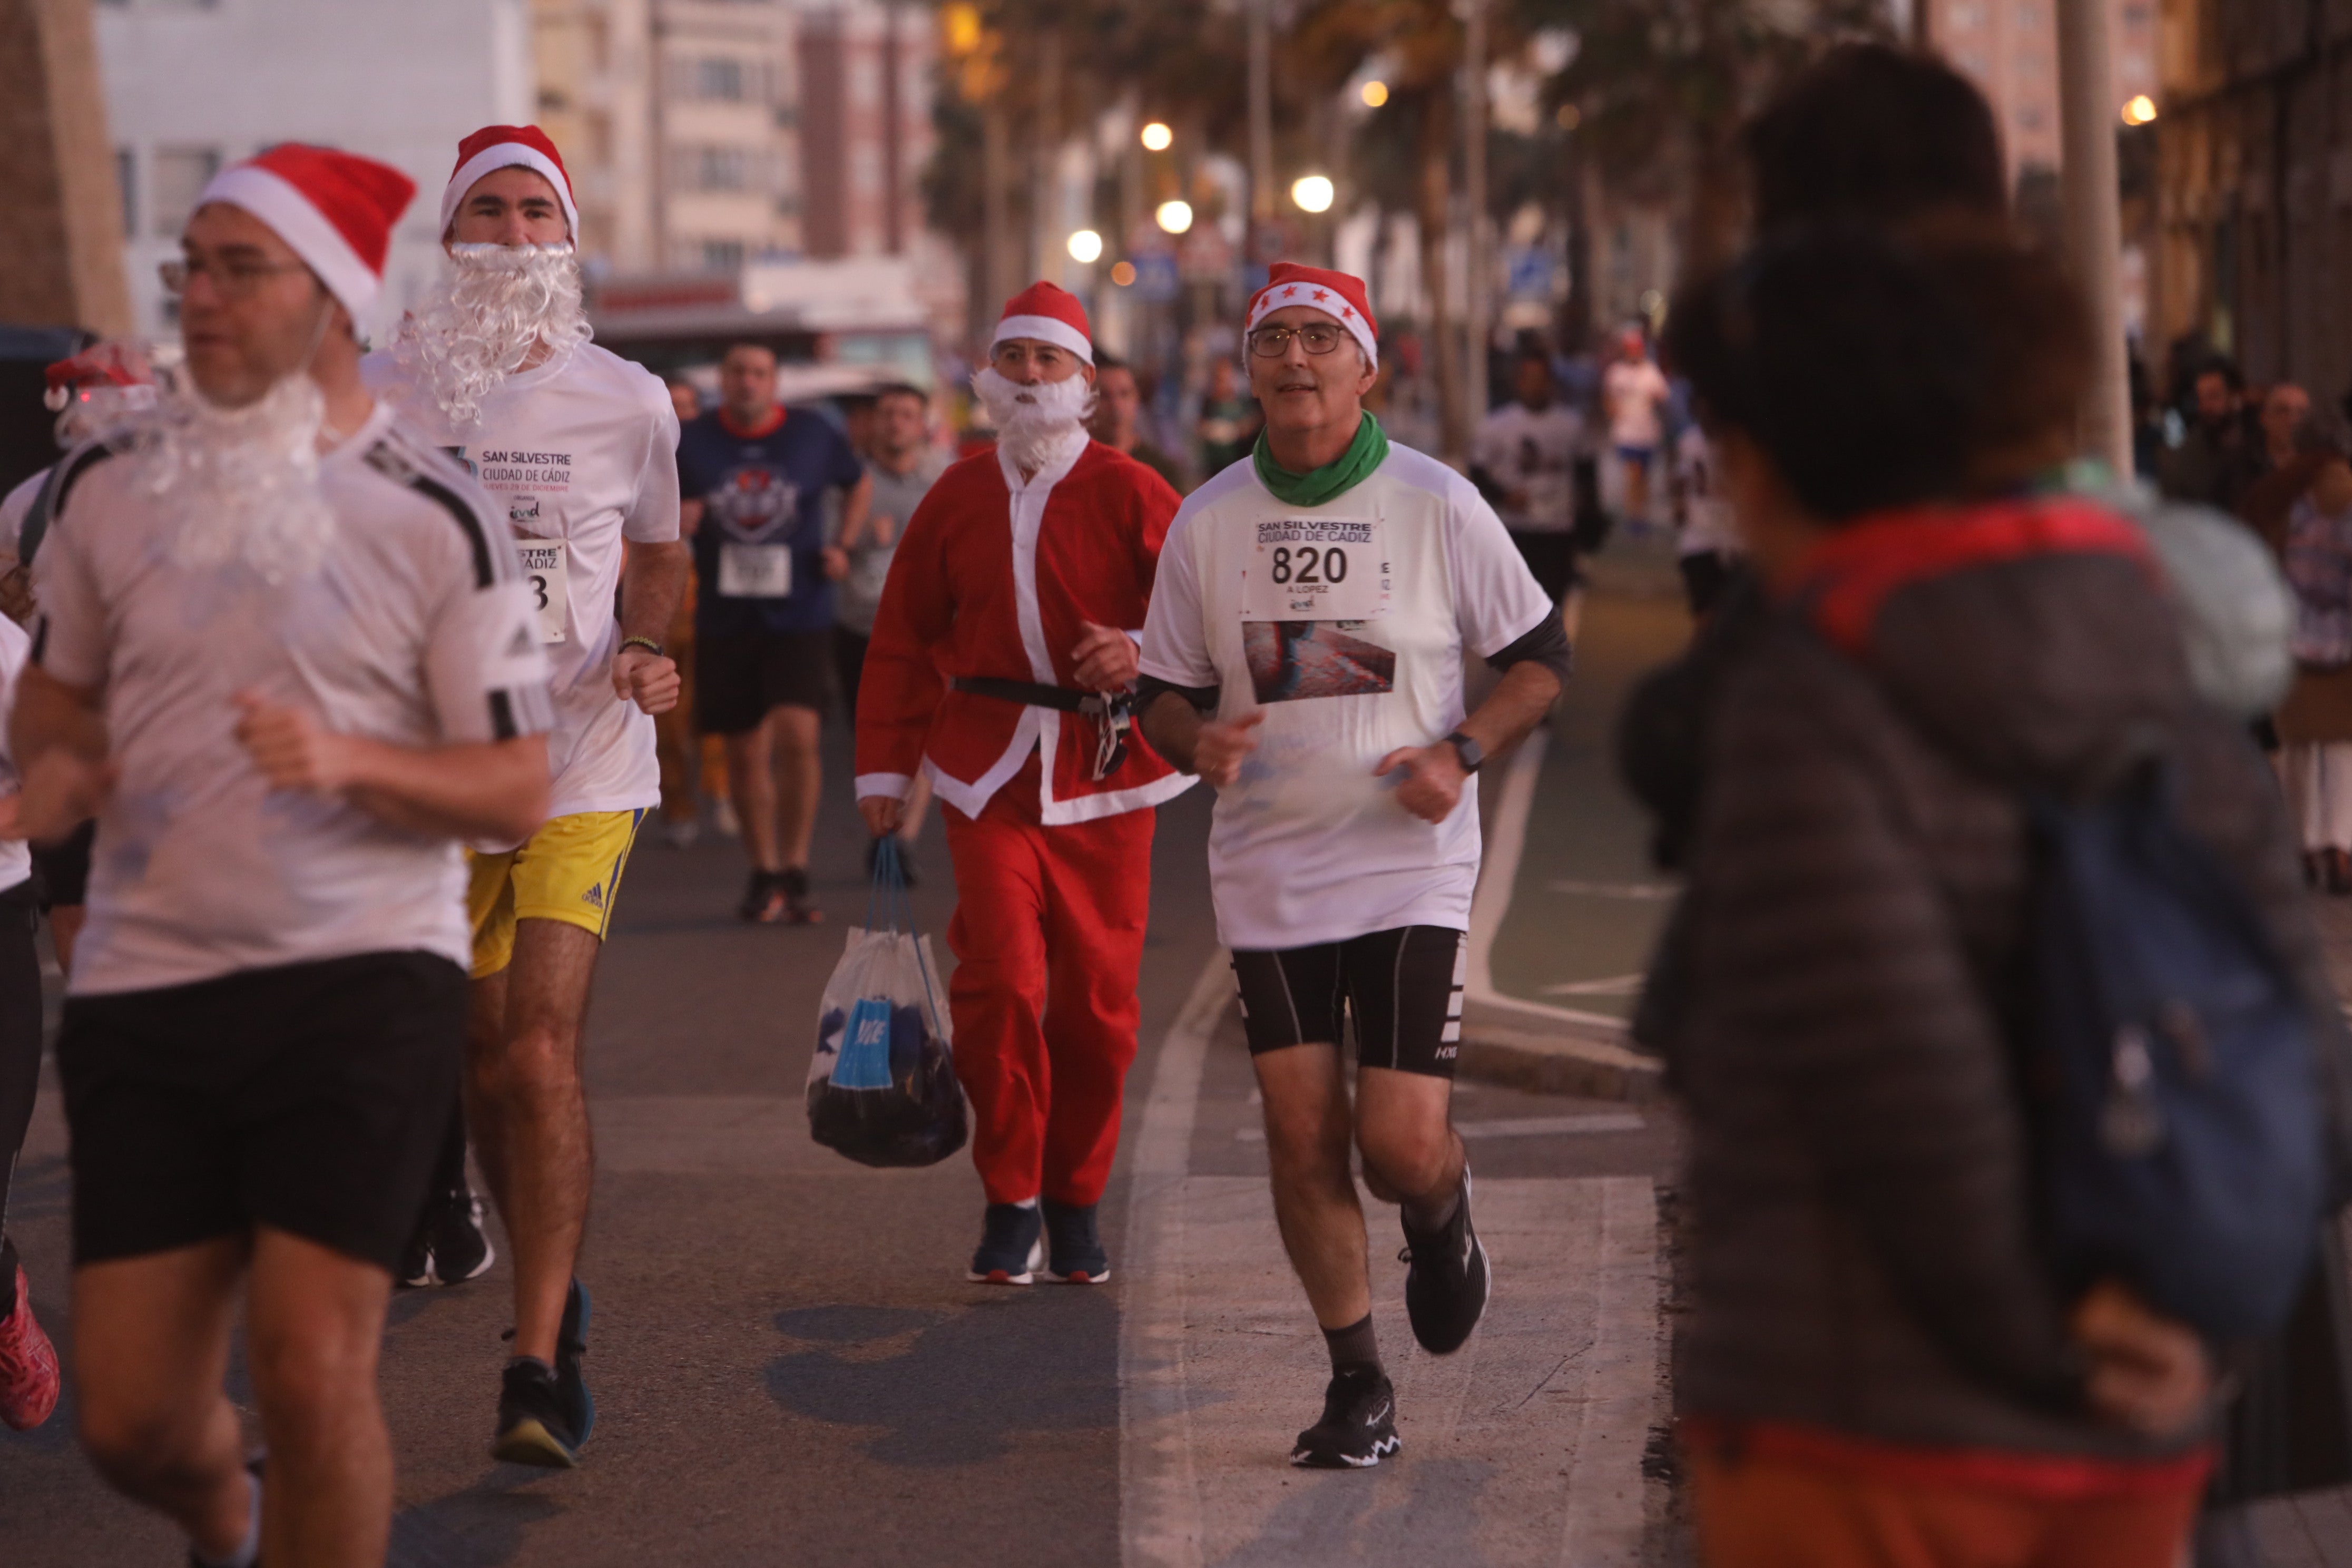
<point x="2009" y="48"/>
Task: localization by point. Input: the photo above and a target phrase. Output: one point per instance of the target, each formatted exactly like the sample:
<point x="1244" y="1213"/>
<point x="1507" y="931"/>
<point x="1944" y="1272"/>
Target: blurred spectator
<point x="2214" y="460"/>
<point x="2304" y="508"/>
<point x="1633" y="392"/>
<point x="1877" y="1367"/>
<point x="1228" y="423"/>
<point x="902" y="462"/>
<point x="1524" y="460"/>
<point x="1118" y="409"/>
<point x="2284" y="408"/>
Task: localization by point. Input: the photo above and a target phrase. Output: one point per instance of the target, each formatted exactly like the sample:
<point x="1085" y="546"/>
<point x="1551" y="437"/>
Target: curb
<point x="1500" y="1046"/>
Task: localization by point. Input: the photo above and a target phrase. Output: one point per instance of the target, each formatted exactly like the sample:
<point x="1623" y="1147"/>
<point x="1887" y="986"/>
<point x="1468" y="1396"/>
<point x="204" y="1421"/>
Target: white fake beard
<point x="1034" y="423"/>
<point x="242" y="483"/>
<point x="493" y="306"/>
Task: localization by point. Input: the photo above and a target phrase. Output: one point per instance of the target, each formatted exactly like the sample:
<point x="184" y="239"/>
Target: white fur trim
<point x="887" y="786"/>
<point x="1045" y="329"/>
<point x="1271" y="300"/>
<point x="279" y="203"/>
<point x="507" y="155"/>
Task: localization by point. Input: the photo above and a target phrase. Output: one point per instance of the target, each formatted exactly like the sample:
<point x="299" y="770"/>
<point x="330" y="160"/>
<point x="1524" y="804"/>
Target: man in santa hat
<point x="1304" y="654"/>
<point x="283" y="655"/>
<point x="1003" y="655"/>
<point x="581" y="446"/>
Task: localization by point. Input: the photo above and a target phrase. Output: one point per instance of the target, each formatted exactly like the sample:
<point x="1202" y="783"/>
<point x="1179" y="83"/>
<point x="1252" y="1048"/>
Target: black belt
<point x="1112" y="711"/>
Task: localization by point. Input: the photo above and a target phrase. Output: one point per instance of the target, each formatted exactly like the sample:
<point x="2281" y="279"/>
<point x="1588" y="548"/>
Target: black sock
<point x="1354" y="1348"/>
<point x="1428" y="1215"/>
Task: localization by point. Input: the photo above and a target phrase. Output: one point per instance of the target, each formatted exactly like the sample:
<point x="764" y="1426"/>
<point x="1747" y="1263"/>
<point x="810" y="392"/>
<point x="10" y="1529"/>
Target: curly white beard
<point x="1034" y="423"/>
<point x="494" y="305"/>
<point x="242" y="483"/>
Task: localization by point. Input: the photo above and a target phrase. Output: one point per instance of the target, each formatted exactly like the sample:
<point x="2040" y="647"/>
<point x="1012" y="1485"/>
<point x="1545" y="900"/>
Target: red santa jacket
<point x="993" y="579"/>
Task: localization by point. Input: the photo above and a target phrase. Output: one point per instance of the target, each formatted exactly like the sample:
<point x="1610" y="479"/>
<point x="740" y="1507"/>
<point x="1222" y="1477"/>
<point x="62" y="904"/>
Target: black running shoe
<point x="800" y="904"/>
<point x="1358" y="1425"/>
<point x="763" y="900"/>
<point x="1075" y="1251"/>
<point x="450" y="1246"/>
<point x="1008" y="1245"/>
<point x="534" y="1424"/>
<point x="1445" y="1283"/>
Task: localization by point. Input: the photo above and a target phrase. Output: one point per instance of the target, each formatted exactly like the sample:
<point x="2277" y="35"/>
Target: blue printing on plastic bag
<point x="865" y="1061"/>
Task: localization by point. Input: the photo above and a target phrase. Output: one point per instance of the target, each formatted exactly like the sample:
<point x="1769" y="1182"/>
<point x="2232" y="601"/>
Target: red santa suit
<point x="993" y="581"/>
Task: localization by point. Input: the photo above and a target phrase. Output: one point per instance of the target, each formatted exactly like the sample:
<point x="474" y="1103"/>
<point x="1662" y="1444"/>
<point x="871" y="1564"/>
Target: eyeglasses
<point x="231" y="279"/>
<point x="1273" y="342"/>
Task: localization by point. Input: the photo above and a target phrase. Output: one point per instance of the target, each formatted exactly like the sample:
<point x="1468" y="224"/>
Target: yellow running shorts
<point x="569" y="871"/>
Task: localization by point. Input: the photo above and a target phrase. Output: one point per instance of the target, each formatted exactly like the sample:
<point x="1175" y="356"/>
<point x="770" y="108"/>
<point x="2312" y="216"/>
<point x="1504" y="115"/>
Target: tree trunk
<point x="1436" y="212"/>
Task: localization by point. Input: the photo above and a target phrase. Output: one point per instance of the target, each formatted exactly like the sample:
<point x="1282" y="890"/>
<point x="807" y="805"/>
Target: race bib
<point x="546" y="575"/>
<point x="755" y="571"/>
<point x="1316" y="569"/>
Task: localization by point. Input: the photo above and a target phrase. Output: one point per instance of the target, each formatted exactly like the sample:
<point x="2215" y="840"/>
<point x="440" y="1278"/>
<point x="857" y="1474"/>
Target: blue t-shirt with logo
<point x="763" y="526"/>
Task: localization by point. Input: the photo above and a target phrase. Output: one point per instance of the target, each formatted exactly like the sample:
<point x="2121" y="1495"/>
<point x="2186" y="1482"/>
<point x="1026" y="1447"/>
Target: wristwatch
<point x="1471" y="752"/>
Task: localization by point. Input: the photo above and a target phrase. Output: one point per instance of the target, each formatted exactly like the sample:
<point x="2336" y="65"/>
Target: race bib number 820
<point x="1316" y="569"/>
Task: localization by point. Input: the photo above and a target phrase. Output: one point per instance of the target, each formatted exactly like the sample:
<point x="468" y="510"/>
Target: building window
<point x="722" y="255"/>
<point x="720" y="78"/>
<point x="719" y="168"/>
<point x="126" y="175"/>
<point x="180" y="175"/>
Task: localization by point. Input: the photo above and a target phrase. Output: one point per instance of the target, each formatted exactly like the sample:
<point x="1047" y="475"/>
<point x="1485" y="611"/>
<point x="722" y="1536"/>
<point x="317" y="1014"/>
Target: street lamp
<point x="1123" y="274"/>
<point x="1158" y="138"/>
<point x="1086" y="245"/>
<point x="1313" y="193"/>
<point x="2140" y="110"/>
<point x="1175" y="217"/>
<point x="1375" y="93"/>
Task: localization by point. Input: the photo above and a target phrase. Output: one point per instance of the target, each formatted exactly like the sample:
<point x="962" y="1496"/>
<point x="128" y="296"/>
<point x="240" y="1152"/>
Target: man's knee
<point x="534" y="1061"/>
<point x="139" y="1445"/>
<point x="1305" y="1145"/>
<point x="1406" y="1157"/>
<point x="306" y="1375"/>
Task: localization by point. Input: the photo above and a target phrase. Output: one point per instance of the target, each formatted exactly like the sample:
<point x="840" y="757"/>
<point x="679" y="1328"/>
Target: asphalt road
<point x="788" y="1364"/>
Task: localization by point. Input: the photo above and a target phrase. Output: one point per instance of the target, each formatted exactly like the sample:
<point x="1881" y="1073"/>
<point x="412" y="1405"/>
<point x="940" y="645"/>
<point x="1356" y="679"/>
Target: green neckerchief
<point x="1365" y="452"/>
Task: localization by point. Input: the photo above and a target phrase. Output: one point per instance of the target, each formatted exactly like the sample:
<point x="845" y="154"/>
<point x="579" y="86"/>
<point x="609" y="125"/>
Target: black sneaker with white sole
<point x="450" y="1246"/>
<point x="1445" y="1280"/>
<point x="1358" y="1425"/>
<point x="1009" y="1245"/>
<point x="1074" y="1250"/>
<point x="534" y="1419"/>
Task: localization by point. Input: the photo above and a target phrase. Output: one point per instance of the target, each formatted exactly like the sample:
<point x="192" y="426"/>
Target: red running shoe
<point x="28" y="1365"/>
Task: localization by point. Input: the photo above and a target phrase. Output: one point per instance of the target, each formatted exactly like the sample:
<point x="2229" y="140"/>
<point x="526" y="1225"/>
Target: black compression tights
<point x="20" y="1042"/>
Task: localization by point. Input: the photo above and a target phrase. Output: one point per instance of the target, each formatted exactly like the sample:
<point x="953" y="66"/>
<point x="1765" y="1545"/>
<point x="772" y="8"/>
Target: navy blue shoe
<point x="1074" y="1250"/>
<point x="1009" y="1245"/>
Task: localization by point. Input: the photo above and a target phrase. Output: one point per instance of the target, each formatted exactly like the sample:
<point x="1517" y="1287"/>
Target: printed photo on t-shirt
<point x="1292" y="660"/>
<point x="756" y="503"/>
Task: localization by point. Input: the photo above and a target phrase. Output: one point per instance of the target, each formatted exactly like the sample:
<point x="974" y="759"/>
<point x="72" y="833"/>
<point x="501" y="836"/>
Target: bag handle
<point x="888" y="893"/>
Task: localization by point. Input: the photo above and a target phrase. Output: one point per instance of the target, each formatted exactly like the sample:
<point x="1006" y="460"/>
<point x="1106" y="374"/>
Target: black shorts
<point x="1402" y="987"/>
<point x="738" y="679"/>
<point x="63" y="868"/>
<point x="312" y="1098"/>
<point x="849" y="663"/>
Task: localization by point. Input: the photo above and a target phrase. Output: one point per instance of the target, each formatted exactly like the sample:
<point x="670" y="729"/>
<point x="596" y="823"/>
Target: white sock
<point x="249" y="1549"/>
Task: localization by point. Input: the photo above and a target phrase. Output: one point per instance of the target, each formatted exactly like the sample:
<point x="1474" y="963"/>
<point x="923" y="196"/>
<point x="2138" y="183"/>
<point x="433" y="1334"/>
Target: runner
<point x="579" y="445"/>
<point x="28" y="1363"/>
<point x="284" y="655"/>
<point x="1634" y="390"/>
<point x="999" y="668"/>
<point x="903" y="463"/>
<point x="1318" y="601"/>
<point x="755" y="479"/>
<point x="1526" y="450"/>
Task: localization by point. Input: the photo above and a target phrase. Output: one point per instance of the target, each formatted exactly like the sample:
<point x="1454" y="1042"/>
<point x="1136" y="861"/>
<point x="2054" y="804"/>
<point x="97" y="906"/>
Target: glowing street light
<point x="1313" y="193"/>
<point x="1158" y="138"/>
<point x="2140" y="110"/>
<point x="1086" y="245"/>
<point x="1123" y="274"/>
<point x="1375" y="93"/>
<point x="1174" y="218"/>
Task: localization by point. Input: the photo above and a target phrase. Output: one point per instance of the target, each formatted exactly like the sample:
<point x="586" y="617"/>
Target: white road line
<point x="1615" y="986"/>
<point x="1517" y="1126"/>
<point x="1648" y="891"/>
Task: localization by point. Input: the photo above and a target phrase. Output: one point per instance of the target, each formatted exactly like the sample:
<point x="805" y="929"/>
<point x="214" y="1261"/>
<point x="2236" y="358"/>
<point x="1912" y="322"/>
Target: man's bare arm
<point x="474" y="789"/>
<point x="59" y="739"/>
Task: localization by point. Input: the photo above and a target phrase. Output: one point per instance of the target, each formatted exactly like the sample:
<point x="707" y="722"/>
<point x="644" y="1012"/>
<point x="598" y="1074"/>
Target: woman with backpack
<point x="1883" y="1363"/>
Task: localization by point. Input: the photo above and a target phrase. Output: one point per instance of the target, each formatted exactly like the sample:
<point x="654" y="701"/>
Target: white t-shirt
<point x="583" y="451"/>
<point x="1533" y="451"/>
<point x="1308" y="845"/>
<point x="15" y="507"/>
<point x="417" y="629"/>
<point x="15" y="855"/>
<point x="1631" y="390"/>
<point x="1708" y="527"/>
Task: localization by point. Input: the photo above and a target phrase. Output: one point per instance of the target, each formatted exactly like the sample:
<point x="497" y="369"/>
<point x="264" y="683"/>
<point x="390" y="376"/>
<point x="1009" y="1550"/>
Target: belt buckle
<point x="1112" y="713"/>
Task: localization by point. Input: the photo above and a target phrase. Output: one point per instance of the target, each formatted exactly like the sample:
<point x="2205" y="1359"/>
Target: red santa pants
<point x="1048" y="938"/>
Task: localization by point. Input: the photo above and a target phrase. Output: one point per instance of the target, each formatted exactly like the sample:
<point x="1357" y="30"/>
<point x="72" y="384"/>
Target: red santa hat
<point x="1050" y="315"/>
<point x="496" y="147"/>
<point x="336" y="211"/>
<point x="1339" y="295"/>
